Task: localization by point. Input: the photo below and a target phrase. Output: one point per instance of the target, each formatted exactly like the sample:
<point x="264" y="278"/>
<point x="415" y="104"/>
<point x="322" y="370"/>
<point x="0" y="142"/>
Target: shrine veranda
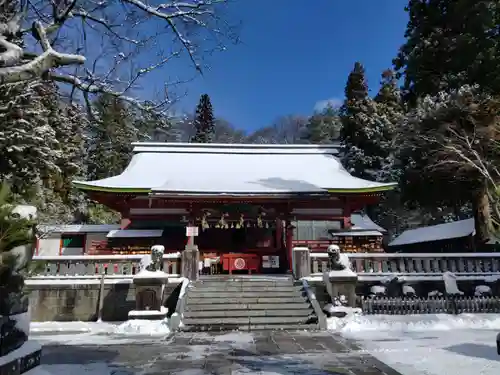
<point x="244" y="200"/>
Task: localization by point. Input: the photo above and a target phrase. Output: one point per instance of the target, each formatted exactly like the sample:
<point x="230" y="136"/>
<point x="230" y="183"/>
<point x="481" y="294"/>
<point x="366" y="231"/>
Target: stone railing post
<point x="190" y="259"/>
<point x="301" y="262"/>
<point x="342" y="282"/>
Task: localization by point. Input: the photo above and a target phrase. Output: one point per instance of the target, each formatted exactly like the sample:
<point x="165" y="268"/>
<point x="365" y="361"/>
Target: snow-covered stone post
<point x="190" y="257"/>
<point x="341" y="280"/>
<point x="301" y="262"/>
<point x="149" y="284"/>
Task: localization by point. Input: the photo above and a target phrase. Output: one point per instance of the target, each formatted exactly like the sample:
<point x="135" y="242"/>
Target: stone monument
<point x="18" y="354"/>
<point x="149" y="285"/>
<point x="341" y="280"/>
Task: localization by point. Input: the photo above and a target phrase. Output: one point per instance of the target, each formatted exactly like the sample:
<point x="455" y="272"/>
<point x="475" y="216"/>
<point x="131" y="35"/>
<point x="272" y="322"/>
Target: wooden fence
<point x="429" y="305"/>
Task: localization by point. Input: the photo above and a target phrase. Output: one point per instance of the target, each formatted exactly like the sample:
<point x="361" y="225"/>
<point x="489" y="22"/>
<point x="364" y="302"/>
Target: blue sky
<point x="296" y="53"/>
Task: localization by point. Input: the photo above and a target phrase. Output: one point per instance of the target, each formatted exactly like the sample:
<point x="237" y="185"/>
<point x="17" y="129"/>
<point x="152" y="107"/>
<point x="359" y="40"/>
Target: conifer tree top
<point x="204" y="121"/>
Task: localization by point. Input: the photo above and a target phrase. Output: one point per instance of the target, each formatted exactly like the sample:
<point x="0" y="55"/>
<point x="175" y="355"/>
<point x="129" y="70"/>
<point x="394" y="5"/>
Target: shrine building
<point x="244" y="199"/>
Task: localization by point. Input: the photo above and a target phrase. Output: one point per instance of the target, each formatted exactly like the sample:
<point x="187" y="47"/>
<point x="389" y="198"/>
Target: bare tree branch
<point x="63" y="37"/>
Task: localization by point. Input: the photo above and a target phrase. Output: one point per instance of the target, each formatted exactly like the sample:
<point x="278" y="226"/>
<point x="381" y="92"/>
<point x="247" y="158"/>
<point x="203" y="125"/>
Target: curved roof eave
<point x="107" y="189"/>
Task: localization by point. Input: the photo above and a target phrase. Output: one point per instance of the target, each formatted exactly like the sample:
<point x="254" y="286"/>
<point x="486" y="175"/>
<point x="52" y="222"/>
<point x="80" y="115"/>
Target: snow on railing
<point x="94" y="265"/>
<point x="377" y="265"/>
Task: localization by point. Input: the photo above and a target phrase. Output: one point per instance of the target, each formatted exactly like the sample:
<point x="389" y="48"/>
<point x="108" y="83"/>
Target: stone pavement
<point x="266" y="352"/>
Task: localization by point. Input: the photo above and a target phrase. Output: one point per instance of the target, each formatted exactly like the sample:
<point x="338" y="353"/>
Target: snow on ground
<point x="428" y="344"/>
<point x="98" y="333"/>
<point x="86" y="369"/>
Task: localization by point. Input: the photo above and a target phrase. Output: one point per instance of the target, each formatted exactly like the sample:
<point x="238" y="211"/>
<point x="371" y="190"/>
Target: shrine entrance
<point x="240" y="239"/>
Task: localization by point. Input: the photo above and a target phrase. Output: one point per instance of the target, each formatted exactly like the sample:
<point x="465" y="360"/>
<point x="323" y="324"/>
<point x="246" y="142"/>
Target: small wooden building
<point x="363" y="236"/>
<point x="454" y="237"/>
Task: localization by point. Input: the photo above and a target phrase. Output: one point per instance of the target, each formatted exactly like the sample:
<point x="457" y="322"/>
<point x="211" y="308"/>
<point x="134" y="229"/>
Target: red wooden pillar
<point x="278" y="234"/>
<point x="289" y="243"/>
<point x="125" y="222"/>
<point x="347" y="214"/>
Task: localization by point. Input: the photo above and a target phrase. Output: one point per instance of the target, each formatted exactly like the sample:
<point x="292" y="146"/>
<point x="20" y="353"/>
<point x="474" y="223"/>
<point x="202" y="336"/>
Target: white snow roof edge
<point x="126" y="233"/>
<point x="236" y="145"/>
<point x="238" y="149"/>
<point x="77" y="228"/>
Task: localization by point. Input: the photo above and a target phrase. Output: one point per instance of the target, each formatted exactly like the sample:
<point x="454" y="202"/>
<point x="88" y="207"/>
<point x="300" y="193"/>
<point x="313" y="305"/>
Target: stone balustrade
<point x="374" y="266"/>
<point x="96" y="265"/>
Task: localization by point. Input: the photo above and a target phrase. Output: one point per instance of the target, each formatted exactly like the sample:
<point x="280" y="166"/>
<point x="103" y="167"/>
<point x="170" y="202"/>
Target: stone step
<point x="246" y="282"/>
<point x="242" y="278"/>
<point x="242" y="321"/>
<point x="247" y="313"/>
<point x="254" y="327"/>
<point x="200" y="293"/>
<point x="243" y="300"/>
<point x="246" y="306"/>
<point x="239" y="289"/>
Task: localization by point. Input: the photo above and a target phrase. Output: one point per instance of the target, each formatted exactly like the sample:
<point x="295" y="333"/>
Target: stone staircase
<point x="249" y="303"/>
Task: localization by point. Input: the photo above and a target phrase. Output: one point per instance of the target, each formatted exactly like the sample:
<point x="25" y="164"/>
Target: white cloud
<point x="322" y="104"/>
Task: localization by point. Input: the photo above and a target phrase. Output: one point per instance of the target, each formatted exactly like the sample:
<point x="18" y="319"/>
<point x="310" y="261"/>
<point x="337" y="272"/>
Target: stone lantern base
<point x="148" y="296"/>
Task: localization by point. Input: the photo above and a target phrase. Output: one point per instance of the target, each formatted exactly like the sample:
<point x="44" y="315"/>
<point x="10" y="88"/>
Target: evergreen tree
<point x="204" y="122"/>
<point x="109" y="144"/>
<point x="364" y="134"/>
<point x="390" y="213"/>
<point x="28" y="143"/>
<point x="322" y="127"/>
<point x="449" y="44"/>
<point x="441" y="169"/>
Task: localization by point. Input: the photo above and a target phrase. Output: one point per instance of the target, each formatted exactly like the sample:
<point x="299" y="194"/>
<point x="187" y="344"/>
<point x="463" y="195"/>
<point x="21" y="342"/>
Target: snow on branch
<point x="65" y="35"/>
<point x="49" y="59"/>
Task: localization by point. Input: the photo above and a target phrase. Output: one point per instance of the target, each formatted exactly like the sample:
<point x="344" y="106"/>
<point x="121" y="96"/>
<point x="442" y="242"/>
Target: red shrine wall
<point x="143" y="212"/>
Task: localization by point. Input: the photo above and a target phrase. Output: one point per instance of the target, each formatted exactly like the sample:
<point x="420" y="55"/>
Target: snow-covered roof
<point x="237" y="169"/>
<point x="135" y="233"/>
<point x="78" y="228"/>
<point x="456" y="229"/>
<point x="361" y="221"/>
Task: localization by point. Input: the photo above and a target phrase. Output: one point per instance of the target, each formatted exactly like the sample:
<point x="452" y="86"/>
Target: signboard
<point x="192" y="231"/>
<point x="270" y="261"/>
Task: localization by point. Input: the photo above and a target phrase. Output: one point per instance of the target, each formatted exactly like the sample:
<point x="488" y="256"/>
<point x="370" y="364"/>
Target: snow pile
<point x="482" y="290"/>
<point x="143" y="327"/>
<point x="145" y="274"/>
<point x="130" y="327"/>
<point x="334" y="323"/>
<point x="141" y="313"/>
<point x="357" y="323"/>
<point x="71" y="327"/>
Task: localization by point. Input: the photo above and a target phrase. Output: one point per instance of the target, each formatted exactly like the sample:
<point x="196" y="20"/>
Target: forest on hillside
<point x="66" y="113"/>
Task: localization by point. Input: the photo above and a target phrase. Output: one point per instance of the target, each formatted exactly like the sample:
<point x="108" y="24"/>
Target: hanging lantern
<point x="204" y="222"/>
<point x="259" y="222"/>
<point x="267" y="225"/>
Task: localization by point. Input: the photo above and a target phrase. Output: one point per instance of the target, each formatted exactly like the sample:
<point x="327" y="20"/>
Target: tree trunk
<point x="482" y="216"/>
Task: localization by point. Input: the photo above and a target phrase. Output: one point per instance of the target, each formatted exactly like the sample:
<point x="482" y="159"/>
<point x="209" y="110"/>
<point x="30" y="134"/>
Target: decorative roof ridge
<point x="218" y="148"/>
